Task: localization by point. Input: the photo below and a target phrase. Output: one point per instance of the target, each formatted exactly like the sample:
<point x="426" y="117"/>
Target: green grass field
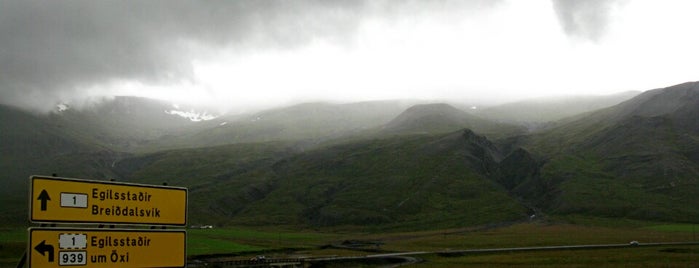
<point x="246" y="242"/>
<point x="686" y="228"/>
<point x="672" y="256"/>
<point x="13" y="242"/>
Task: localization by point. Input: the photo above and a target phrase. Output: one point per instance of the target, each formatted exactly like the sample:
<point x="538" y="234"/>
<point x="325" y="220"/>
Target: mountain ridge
<point x="441" y="118"/>
<point x="538" y="113"/>
<point x="433" y="166"/>
<point x="639" y="155"/>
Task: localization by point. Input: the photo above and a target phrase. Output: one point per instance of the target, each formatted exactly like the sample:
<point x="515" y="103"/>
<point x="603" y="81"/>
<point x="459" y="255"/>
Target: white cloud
<point x="318" y="50"/>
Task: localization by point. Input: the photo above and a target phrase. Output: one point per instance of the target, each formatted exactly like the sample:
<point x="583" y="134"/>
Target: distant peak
<point x="432" y="106"/>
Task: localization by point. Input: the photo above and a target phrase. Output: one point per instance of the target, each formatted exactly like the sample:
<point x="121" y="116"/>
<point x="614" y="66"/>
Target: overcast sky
<point x="244" y="54"/>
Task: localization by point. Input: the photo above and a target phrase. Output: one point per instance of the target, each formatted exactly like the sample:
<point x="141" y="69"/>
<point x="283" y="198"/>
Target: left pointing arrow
<point x="42" y="248"/>
<point x="44" y="197"/>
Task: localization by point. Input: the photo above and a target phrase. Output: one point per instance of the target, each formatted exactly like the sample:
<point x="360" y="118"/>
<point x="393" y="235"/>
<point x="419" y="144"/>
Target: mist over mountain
<point x="310" y="122"/>
<point x="125" y="123"/>
<point x="539" y="112"/>
<point x="389" y="164"/>
<point x="441" y="118"/>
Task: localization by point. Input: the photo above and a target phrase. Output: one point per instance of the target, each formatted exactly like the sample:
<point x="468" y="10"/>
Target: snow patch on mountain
<point x="192" y="115"/>
<point x="62" y="107"/>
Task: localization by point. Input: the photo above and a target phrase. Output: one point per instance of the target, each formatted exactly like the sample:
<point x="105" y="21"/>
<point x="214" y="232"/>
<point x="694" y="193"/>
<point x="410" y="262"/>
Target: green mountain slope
<point x="211" y="174"/>
<point x="328" y="165"/>
<point x="84" y="142"/>
<point x="637" y="159"/>
<point x="443" y="179"/>
<point x="31" y="144"/>
<point x="414" y="182"/>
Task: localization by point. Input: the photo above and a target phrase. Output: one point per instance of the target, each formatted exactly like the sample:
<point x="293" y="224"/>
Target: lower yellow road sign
<point x="65" y="247"/>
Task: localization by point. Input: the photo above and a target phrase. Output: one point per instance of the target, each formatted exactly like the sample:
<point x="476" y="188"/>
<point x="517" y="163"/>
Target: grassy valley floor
<point x="244" y="243"/>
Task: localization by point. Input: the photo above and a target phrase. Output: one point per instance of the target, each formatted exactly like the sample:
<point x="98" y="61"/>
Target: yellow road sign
<point x="65" y="247"/>
<point x="55" y="199"/>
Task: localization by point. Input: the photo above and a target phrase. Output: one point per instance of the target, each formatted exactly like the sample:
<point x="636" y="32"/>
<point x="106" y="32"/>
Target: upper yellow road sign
<point x="53" y="199"/>
<point x="123" y="248"/>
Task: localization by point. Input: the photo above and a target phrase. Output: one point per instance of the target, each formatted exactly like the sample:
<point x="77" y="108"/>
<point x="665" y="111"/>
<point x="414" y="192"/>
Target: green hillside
<point x="637" y="159"/>
<point x="31" y="144"/>
<point x="210" y="174"/>
<point x="331" y="165"/>
<point x="404" y="182"/>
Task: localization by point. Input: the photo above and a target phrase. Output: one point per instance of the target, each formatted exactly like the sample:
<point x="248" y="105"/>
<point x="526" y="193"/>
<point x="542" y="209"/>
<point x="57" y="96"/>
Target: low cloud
<point x="586" y="19"/>
<point x="54" y="51"/>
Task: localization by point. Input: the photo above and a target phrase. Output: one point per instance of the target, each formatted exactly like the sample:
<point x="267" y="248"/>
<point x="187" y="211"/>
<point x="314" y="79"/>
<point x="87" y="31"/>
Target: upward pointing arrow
<point x="44" y="197"/>
<point x="42" y="248"/>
